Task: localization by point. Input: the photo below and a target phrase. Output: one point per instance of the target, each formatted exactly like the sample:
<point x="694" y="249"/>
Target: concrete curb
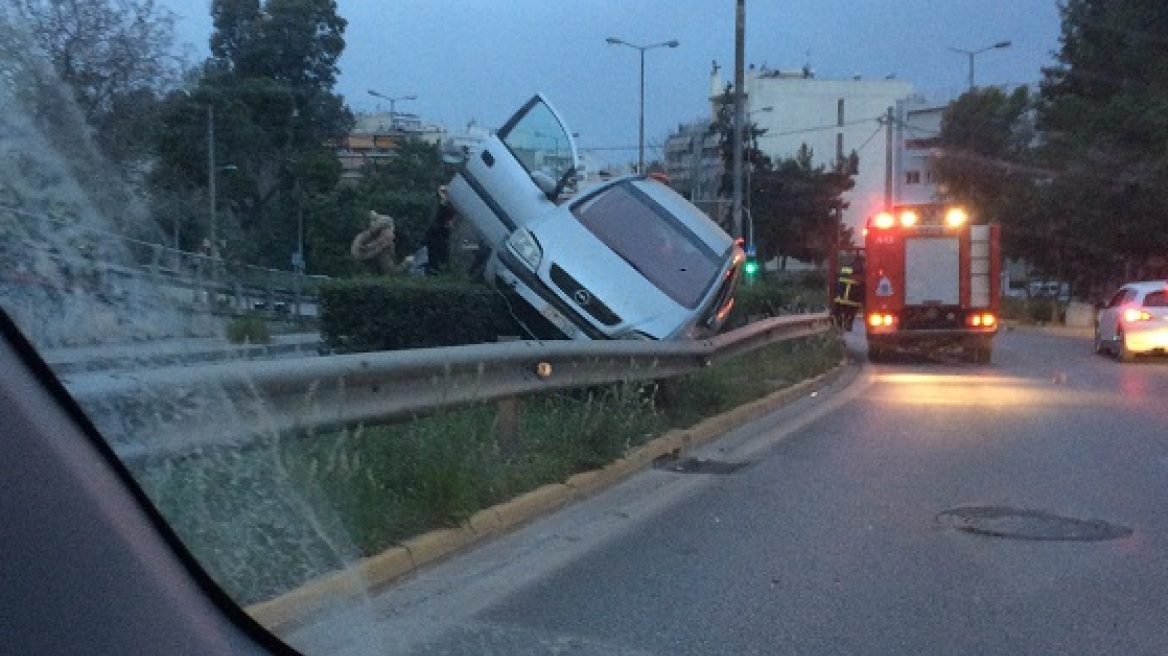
<point x="297" y="605"/>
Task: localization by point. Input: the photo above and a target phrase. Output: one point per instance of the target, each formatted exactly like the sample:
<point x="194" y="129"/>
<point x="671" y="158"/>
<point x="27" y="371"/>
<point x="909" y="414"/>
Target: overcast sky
<point x="480" y="59"/>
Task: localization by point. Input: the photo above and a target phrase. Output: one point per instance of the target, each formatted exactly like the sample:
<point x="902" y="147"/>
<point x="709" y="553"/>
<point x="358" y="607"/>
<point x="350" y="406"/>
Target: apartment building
<point x="833" y="117"/>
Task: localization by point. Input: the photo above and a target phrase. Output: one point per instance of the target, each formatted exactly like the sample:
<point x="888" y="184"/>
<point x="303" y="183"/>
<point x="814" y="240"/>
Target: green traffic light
<point x="751" y="267"/>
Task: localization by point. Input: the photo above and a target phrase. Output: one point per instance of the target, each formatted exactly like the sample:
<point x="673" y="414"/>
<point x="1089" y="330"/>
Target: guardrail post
<point x="507" y="428"/>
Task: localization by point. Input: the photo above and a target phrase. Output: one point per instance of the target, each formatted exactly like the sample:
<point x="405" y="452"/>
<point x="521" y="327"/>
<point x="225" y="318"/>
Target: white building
<point x="918" y="128"/>
<point x="832" y="117"/>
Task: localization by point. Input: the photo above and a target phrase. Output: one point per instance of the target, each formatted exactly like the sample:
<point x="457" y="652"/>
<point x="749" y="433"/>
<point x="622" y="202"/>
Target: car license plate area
<point x="558" y="320"/>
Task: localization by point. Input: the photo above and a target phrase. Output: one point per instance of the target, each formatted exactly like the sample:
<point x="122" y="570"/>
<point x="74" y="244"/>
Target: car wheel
<point x="1100" y="349"/>
<point x="1122" y="352"/>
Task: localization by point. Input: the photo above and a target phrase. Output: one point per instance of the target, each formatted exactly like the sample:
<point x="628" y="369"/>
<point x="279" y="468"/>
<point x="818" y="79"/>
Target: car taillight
<point x="1132" y="315"/>
<point x="879" y="320"/>
<point x="983" y="320"/>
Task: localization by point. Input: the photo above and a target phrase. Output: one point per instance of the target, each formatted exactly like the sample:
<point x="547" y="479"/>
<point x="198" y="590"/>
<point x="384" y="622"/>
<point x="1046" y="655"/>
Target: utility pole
<point x="739" y="115"/>
<point x="888" y="161"/>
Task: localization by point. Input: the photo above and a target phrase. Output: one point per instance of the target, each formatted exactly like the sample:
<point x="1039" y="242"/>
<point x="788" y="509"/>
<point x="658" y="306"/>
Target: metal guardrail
<point x="189" y="409"/>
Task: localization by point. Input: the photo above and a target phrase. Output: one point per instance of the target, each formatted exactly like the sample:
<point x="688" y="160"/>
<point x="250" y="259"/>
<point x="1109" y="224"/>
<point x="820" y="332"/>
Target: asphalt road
<point x="924" y="508"/>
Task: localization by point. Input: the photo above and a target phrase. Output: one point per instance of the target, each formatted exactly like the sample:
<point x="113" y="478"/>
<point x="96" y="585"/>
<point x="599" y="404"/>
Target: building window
<point x="912" y="177"/>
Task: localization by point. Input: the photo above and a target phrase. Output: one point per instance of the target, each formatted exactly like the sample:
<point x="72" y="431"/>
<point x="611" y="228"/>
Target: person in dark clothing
<point x="438" y="236"/>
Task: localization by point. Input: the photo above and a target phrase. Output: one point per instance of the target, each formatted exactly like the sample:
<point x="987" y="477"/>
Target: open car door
<point x="518" y="173"/>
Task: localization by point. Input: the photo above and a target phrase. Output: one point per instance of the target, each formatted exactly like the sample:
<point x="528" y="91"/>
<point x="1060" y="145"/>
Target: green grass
<point x="268" y="519"/>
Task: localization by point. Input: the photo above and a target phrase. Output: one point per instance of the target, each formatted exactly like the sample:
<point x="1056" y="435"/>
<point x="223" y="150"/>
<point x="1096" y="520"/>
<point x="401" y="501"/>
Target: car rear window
<point x="652" y="241"/>
<point x="1156" y="299"/>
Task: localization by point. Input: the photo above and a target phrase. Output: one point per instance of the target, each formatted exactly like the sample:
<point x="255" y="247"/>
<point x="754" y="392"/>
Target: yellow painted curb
<point x="531" y="504"/>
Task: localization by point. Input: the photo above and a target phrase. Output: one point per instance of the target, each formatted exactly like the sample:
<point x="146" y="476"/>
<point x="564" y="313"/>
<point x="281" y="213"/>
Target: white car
<point x="626" y="259"/>
<point x="1134" y="321"/>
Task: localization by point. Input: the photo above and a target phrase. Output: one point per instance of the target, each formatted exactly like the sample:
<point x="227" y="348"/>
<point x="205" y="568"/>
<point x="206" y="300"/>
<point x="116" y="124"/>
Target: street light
<point x="392" y="105"/>
<point x="974" y="53"/>
<point x="641" y="132"/>
<point x="213" y="170"/>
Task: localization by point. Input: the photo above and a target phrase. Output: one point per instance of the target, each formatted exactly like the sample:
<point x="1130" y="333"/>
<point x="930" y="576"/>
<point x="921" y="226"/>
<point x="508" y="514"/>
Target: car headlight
<point x="523" y="244"/>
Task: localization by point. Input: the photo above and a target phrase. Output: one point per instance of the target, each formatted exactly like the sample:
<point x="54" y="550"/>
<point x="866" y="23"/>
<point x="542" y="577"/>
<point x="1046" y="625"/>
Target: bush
<point x="248" y="330"/>
<point x="1030" y="311"/>
<point x="771" y="296"/>
<point x="400" y="312"/>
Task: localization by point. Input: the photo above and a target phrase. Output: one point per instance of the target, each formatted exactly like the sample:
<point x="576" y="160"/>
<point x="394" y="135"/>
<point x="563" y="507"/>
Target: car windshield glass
<point x="541" y="143"/>
<point x="650" y="239"/>
<point x="1156" y="300"/>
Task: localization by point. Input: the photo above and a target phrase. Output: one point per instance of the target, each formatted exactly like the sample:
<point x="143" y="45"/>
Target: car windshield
<point x="651" y="240"/>
<point x="232" y="282"/>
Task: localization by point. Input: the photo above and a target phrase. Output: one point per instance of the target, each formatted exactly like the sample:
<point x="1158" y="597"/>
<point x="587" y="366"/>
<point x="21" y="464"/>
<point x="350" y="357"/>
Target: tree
<point x="267" y="96"/>
<point x="1104" y="115"/>
<point x="797" y="205"/>
<point x="117" y="58"/>
<point x="723" y="126"/>
<point x="985" y="141"/>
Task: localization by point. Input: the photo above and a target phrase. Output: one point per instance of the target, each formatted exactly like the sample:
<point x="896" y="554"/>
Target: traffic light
<point x="750" y="266"/>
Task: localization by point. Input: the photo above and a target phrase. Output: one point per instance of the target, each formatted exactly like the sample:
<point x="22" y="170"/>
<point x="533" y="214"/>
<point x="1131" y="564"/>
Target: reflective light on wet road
<point x="915" y="388"/>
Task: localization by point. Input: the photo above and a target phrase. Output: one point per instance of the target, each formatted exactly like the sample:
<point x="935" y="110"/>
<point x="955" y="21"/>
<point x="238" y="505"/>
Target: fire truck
<point x="931" y="282"/>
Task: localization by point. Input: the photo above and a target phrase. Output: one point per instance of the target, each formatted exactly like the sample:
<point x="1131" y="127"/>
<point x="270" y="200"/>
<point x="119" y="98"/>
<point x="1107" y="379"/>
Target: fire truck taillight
<point x="956" y="217"/>
<point x="983" y="320"/>
<point x="884" y="221"/>
<point x="879" y="320"/>
<point x="908" y="218"/>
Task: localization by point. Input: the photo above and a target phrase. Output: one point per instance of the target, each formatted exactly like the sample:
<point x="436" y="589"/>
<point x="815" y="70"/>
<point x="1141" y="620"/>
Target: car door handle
<point x="488" y="158"/>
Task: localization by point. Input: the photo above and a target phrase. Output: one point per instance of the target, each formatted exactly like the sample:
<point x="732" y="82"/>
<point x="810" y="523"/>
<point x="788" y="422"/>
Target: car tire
<point x="1100" y="349"/>
<point x="1122" y="352"/>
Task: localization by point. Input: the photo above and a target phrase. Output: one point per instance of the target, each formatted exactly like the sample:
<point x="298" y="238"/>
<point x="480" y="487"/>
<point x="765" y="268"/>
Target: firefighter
<point x="849" y="295"/>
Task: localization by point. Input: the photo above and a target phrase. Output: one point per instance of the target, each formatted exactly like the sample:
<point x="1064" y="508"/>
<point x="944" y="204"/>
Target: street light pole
<point x="211" y="193"/>
<point x="750" y="245"/>
<point x="392" y="105"/>
<point x="973" y="53"/>
<point x="641" y="121"/>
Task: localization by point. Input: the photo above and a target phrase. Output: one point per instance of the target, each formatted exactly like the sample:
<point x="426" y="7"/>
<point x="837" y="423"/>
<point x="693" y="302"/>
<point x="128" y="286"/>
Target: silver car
<point x="1134" y="321"/>
<point x="626" y="259"/>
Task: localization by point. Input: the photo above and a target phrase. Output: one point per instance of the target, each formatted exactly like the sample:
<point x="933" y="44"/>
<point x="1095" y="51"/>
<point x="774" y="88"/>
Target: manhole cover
<point x="1021" y="524"/>
<point x="699" y="466"/>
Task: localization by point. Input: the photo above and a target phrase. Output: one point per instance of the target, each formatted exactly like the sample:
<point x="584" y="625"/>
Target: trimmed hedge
<point x="399" y="312"/>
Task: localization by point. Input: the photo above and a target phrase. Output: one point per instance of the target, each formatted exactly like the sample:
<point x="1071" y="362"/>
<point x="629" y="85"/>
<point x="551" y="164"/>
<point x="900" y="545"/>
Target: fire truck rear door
<point x="932" y="271"/>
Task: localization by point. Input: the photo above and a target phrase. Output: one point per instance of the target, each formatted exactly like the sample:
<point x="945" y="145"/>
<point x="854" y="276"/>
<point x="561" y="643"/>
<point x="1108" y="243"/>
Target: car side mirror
<point x="546" y="184"/>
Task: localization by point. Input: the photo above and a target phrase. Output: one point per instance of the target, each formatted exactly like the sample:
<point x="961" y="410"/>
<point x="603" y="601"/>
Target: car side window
<point x="1116" y="299"/>
<point x="1156" y="300"/>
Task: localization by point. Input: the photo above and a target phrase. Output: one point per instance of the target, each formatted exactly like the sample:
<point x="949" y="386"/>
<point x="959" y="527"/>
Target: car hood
<point x="607" y="277"/>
